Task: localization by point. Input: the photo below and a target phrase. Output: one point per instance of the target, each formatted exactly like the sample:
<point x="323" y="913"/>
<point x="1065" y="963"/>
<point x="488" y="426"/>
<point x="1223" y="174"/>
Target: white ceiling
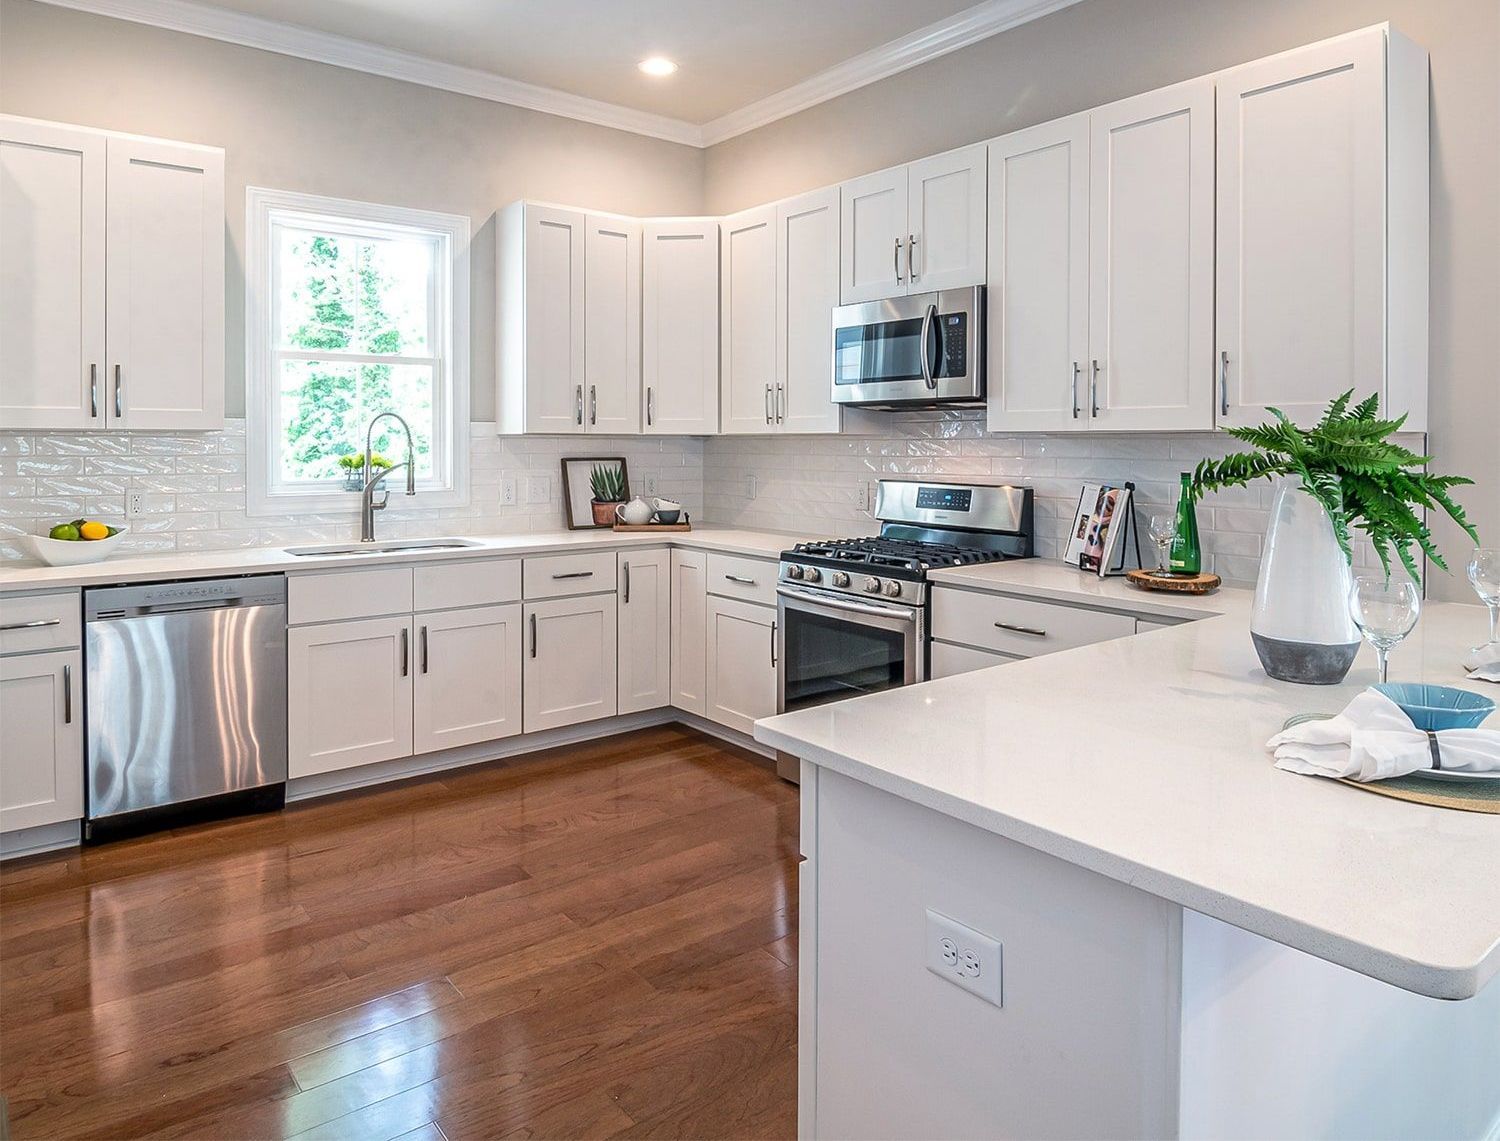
<point x="742" y="63"/>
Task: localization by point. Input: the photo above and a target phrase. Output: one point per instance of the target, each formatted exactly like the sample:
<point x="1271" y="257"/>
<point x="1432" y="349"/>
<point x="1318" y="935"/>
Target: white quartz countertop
<point x="1143" y="759"/>
<point x="17" y="576"/>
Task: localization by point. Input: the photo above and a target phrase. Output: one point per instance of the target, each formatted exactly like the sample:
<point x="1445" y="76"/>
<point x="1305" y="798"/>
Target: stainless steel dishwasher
<point x="185" y="701"/>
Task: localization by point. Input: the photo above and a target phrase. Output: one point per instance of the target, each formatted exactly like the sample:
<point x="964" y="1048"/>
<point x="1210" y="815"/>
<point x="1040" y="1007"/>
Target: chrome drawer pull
<point x="405" y="651"/>
<point x="32" y="625"/>
<point x="1021" y="629"/>
<point x="67" y="695"/>
<point x="625" y="584"/>
<point x="741" y="579"/>
<point x="575" y="574"/>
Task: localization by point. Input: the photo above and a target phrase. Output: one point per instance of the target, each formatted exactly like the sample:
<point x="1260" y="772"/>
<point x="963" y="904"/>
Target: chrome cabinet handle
<point x="533" y="635"/>
<point x="94" y="391"/>
<point x="32" y="625"/>
<point x="1077" y="368"/>
<point x="424" y="649"/>
<point x="405" y="651"/>
<point x="781" y="404"/>
<point x="649" y="406"/>
<point x="1094" y="391"/>
<point x="578" y="413"/>
<point x="1035" y="633"/>
<point x="67" y="695"/>
<point x="1224" y="383"/>
<point x="896" y="258"/>
<point x="593" y="404"/>
<point x="773" y="644"/>
<point x="119" y="408"/>
<point x="625" y="583"/>
<point x="741" y="579"/>
<point x="573" y="574"/>
<point x="768" y="404"/>
<point x="911" y="250"/>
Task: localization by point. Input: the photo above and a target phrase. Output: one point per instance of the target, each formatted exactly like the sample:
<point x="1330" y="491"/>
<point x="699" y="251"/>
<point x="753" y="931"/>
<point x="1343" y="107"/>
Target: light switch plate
<point x="964" y="956"/>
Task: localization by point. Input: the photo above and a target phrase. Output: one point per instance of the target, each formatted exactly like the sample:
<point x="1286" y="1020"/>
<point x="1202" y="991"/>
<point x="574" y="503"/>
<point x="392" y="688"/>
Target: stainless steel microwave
<point x="908" y="352"/>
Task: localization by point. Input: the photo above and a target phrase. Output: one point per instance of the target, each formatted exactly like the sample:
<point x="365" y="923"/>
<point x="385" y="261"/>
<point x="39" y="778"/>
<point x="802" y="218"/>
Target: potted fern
<point x="1342" y="475"/>
<point x="608" y="487"/>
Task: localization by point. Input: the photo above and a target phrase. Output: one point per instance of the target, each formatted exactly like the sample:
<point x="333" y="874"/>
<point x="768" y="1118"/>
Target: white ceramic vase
<point x="1300" y="623"/>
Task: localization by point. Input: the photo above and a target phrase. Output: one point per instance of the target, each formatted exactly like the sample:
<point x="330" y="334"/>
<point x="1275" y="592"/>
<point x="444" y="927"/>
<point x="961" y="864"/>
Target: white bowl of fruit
<point x="77" y="542"/>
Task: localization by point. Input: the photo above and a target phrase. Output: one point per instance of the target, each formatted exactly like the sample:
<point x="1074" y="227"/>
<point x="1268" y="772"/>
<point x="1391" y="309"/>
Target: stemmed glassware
<point x="1484" y="574"/>
<point x="1385" y="610"/>
<point x="1162" y="527"/>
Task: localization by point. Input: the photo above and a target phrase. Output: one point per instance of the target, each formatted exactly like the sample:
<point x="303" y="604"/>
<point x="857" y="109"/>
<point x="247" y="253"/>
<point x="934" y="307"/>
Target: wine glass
<point x="1385" y="610"/>
<point x="1484" y="573"/>
<point x="1163" y="527"/>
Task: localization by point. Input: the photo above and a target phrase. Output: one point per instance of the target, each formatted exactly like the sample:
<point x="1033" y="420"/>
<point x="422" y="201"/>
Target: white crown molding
<point x="967" y="27"/>
<point x="958" y="31"/>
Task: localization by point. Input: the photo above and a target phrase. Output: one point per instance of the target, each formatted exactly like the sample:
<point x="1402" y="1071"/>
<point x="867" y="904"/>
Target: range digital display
<point x="944" y="498"/>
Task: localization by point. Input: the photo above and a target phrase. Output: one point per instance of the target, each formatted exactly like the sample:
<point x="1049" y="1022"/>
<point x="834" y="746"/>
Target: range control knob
<point x="793" y="570"/>
<point x="811" y="574"/>
<point x="840" y="578"/>
<point x="891" y="589"/>
<point x="872" y="586"/>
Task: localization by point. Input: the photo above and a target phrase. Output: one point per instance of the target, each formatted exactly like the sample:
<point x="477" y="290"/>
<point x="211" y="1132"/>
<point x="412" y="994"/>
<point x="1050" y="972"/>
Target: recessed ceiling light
<point x="657" y="65"/>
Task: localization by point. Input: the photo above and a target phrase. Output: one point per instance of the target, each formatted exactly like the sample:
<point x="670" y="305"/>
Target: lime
<point x="64" y="531"/>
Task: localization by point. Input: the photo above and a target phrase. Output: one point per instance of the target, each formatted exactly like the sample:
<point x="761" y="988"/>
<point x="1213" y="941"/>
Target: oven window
<point x="891" y="350"/>
<point x="829" y="658"/>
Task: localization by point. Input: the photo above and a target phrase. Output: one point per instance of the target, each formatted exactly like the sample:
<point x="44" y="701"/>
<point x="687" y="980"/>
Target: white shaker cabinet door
<point x="741" y="662"/>
<point x="1302" y="229"/>
<point x="1038" y="297"/>
<point x="645" y="630"/>
<point x="51" y="276"/>
<point x="612" y="325"/>
<point x="552" y="333"/>
<point x="690" y="631"/>
<point x="680" y="327"/>
<point x="165" y="285"/>
<point x="41" y="717"/>
<point x="349" y="694"/>
<point x="807" y="291"/>
<point x="747" y="267"/>
<point x="570" y="665"/>
<point x="1151" y="257"/>
<point x="467" y="686"/>
<point x="872" y="241"/>
<point x="946" y="220"/>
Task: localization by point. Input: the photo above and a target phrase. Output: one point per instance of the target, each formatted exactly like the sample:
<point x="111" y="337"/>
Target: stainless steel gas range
<point x="853" y="613"/>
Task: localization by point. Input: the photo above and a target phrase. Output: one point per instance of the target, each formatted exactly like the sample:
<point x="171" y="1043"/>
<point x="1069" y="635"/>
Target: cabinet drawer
<point x="735" y="576"/>
<point x="473" y="582"/>
<point x="948" y="660"/>
<point x="557" y="576"/>
<point x="40" y="622"/>
<point x="338" y="595"/>
<point x="1020" y="626"/>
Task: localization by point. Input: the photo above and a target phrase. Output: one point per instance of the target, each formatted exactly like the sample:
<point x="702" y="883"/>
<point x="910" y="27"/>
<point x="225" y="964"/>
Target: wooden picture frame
<point x="578" y="496"/>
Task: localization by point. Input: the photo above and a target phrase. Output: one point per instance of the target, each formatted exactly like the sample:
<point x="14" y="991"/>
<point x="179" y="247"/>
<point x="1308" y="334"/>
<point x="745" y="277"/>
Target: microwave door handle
<point x="927" y="367"/>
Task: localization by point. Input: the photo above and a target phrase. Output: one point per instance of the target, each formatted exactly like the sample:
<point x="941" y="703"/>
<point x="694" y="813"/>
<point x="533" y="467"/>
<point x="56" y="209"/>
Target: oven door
<point x="831" y="647"/>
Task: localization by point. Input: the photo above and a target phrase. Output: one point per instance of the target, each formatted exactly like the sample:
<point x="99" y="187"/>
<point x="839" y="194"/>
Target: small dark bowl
<point x="668" y="517"/>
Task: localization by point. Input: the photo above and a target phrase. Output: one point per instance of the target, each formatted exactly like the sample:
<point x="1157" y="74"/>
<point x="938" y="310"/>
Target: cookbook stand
<point x="1124" y="529"/>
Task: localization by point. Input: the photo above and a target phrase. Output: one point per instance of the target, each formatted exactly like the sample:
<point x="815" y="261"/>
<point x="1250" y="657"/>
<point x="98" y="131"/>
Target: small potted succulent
<point x="353" y="468"/>
<point x="608" y="487"/>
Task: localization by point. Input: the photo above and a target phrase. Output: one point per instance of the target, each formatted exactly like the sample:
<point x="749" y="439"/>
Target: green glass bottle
<point x="1186" y="555"/>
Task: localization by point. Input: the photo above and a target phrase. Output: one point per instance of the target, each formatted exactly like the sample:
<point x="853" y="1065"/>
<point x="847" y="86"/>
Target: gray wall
<point x="1102" y="50"/>
<point x="294" y="125"/>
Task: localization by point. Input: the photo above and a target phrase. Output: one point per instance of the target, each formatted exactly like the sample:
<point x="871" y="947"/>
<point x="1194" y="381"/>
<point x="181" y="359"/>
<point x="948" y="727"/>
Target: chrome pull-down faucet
<point x="367" y="504"/>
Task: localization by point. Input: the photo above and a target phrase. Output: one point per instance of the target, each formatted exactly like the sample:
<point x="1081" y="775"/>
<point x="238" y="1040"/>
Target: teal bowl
<point x="1433" y="708"/>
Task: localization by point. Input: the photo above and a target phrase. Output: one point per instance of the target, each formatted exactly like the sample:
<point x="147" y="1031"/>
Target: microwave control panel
<point x="955" y="343"/>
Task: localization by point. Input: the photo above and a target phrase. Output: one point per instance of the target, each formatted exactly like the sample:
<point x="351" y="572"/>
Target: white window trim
<point x="451" y="406"/>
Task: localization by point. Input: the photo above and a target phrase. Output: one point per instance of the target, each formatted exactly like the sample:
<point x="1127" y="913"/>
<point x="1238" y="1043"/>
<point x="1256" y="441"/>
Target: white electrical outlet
<point x="508" y="491"/>
<point x="862" y="496"/>
<point x="135" y="504"/>
<point x="651" y="485"/>
<point x="964" y="956"/>
<point x="538" y="489"/>
<point x="752" y="487"/>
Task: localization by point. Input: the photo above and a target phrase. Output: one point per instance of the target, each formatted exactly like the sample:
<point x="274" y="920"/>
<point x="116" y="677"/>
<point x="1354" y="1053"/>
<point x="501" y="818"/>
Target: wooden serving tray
<point x="684" y="526"/>
<point x="1175" y="584"/>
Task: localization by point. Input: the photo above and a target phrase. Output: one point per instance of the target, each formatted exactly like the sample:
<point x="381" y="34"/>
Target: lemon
<point x="92" y="530"/>
<point x="65" y="531"/>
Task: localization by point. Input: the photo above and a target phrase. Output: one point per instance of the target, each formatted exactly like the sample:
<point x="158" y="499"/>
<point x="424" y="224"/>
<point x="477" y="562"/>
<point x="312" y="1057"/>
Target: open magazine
<point x="1096" y="541"/>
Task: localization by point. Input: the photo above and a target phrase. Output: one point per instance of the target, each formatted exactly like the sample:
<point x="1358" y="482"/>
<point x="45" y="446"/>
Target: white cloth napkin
<point x="1483" y="663"/>
<point x="1373" y="740"/>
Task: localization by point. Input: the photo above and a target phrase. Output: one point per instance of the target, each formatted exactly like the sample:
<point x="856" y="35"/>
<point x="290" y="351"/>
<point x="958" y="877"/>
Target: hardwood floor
<point x="596" y="941"/>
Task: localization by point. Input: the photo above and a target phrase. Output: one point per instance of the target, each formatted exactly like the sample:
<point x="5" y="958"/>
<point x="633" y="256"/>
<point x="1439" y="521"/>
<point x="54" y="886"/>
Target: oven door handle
<point x="900" y="613"/>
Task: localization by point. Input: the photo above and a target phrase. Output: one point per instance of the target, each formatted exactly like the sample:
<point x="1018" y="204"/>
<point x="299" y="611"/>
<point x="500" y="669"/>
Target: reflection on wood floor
<point x="596" y="941"/>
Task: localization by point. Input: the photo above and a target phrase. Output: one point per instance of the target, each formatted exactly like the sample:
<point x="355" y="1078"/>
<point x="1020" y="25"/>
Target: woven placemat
<point x="1475" y="796"/>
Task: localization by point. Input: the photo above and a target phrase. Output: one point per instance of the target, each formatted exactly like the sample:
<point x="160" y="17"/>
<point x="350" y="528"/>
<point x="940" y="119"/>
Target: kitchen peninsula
<point x="1193" y="943"/>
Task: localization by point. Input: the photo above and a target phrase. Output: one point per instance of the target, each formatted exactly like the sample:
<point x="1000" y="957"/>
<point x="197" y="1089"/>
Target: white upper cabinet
<point x="51" y="276"/>
<point x="1038" y="297"/>
<point x="540" y="296"/>
<point x="807" y="291"/>
<point x="612" y="325"/>
<point x="164" y="233"/>
<point x="680" y="326"/>
<point x="915" y="228"/>
<point x="1323" y="226"/>
<point x="1151" y="261"/>
<point x="111" y="280"/>
<point x="748" y="280"/>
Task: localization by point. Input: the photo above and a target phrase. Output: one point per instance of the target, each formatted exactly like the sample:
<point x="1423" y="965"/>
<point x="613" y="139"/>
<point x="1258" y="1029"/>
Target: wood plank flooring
<point x="598" y="941"/>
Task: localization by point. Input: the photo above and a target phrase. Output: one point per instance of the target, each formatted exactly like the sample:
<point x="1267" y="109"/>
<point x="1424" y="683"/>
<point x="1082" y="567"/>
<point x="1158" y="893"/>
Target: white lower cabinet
<point x="741" y="662"/>
<point x="41" y="765"/>
<point x="644" y="609"/>
<point x="468" y="677"/>
<point x="948" y="659"/>
<point x="690" y="631"/>
<point x="349" y="694"/>
<point x="570" y="664"/>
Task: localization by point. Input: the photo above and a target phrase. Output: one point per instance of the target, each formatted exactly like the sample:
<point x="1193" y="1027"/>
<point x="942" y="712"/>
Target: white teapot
<point x="635" y="513"/>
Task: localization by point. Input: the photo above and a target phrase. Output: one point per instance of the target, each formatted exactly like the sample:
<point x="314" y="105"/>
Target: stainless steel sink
<point x="384" y="547"/>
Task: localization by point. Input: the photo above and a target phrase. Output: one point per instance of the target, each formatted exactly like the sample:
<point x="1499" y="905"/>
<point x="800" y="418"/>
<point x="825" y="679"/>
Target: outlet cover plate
<point x="972" y="960"/>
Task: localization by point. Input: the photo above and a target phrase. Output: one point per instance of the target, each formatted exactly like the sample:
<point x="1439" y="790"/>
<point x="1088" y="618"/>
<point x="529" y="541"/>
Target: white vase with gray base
<point x="1300" y="623"/>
